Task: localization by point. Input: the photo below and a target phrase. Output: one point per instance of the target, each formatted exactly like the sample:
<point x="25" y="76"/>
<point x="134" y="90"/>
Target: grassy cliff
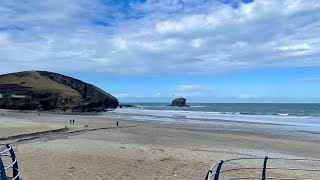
<point x="51" y="91"/>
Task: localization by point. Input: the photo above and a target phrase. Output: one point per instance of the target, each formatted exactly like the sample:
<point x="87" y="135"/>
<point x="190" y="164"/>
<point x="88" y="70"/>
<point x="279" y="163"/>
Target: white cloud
<point x="296" y="50"/>
<point x="122" y="95"/>
<point x="176" y="36"/>
<point x="197" y="43"/>
<point x="120" y="43"/>
<point x="4" y="38"/>
<point x="193" y="87"/>
<point x="298" y="47"/>
<point x="193" y="90"/>
<point x="157" y="95"/>
<point x="133" y="96"/>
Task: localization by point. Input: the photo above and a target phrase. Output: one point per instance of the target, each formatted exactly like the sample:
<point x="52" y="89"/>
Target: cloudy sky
<point x="155" y="50"/>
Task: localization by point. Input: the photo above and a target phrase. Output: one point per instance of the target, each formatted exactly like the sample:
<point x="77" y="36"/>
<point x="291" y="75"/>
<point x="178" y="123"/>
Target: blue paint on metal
<point x="264" y="176"/>
<point x="264" y="168"/>
<point x="216" y="176"/>
<point x="9" y="152"/>
<point x="208" y="175"/>
<point x="15" y="165"/>
<point x="3" y="175"/>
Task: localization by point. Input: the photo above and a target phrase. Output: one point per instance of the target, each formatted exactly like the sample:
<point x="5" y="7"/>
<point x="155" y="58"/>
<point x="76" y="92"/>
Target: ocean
<point x="240" y="108"/>
<point x="300" y="117"/>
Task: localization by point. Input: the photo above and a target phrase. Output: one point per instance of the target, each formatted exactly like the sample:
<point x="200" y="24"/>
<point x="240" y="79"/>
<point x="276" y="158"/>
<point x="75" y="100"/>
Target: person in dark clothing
<point x="70" y="121"/>
<point x="117" y="123"/>
<point x="73" y="121"/>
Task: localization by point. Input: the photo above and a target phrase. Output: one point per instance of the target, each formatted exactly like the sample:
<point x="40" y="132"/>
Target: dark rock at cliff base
<point x="34" y="90"/>
<point x="128" y="106"/>
<point x="180" y="102"/>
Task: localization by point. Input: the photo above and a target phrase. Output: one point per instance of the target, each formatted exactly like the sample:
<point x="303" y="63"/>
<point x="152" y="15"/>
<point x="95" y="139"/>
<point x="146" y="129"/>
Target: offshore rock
<point x="180" y="102"/>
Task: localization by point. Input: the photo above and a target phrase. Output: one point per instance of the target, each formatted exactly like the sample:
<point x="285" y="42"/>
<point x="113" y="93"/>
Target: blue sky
<point x="156" y="50"/>
<point x="288" y="85"/>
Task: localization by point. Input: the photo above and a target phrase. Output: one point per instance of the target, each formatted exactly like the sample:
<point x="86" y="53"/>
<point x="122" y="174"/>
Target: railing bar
<point x="294" y="169"/>
<point x="235" y="159"/>
<point x="208" y="175"/>
<point x="5" y="151"/>
<point x="267" y="178"/>
<point x="11" y="165"/>
<point x="214" y="166"/>
<point x="246" y="168"/>
<point x="8" y="148"/>
<point x="216" y="175"/>
<point x="264" y="169"/>
<point x="236" y="169"/>
<point x="5" y="155"/>
<point x="210" y="171"/>
<point x="253" y="177"/>
<point x="246" y="178"/>
<point x="295" y="159"/>
<point x="16" y="177"/>
<point x="14" y="159"/>
<point x="285" y="178"/>
<point x="2" y="171"/>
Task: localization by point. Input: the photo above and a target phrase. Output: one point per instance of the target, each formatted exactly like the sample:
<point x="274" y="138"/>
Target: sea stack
<point x="180" y="102"/>
<point x="35" y="90"/>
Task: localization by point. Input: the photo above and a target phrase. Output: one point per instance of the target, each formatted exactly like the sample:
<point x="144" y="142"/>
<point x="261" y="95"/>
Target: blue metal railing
<point x="6" y="150"/>
<point x="216" y="170"/>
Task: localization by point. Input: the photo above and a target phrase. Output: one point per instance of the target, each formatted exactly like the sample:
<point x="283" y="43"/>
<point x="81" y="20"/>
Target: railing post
<point x="15" y="167"/>
<point x="264" y="169"/>
<point x="216" y="176"/>
<point x="208" y="175"/>
<point x="3" y="175"/>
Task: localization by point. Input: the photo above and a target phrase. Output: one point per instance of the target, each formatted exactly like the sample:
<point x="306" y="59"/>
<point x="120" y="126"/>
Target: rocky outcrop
<point x="127" y="106"/>
<point x="180" y="102"/>
<point x="52" y="91"/>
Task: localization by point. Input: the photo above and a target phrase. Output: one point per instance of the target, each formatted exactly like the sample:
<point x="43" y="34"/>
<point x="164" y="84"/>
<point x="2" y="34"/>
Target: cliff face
<point x="51" y="91"/>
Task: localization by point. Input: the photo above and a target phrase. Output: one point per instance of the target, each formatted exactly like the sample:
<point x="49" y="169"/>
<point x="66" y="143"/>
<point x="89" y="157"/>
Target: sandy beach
<point x="160" y="90"/>
<point x="141" y="150"/>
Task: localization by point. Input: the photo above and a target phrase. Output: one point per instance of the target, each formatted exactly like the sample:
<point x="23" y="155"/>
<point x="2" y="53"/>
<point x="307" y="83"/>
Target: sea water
<point x="240" y="108"/>
<point x="299" y="117"/>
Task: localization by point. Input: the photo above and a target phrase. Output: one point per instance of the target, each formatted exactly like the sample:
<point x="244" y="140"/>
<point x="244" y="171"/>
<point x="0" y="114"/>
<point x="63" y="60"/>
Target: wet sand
<point x="11" y="127"/>
<point x="142" y="150"/>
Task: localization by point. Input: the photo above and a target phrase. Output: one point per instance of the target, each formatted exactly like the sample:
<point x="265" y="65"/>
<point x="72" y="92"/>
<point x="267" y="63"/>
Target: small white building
<point x="18" y="96"/>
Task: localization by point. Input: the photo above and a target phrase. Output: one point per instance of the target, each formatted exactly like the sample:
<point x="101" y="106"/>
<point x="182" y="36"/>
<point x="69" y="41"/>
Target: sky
<point x="157" y="50"/>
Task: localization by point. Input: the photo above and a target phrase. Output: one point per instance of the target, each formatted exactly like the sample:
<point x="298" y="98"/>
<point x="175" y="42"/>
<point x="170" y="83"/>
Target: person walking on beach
<point x="70" y="121"/>
<point x="117" y="123"/>
<point x="73" y="121"/>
